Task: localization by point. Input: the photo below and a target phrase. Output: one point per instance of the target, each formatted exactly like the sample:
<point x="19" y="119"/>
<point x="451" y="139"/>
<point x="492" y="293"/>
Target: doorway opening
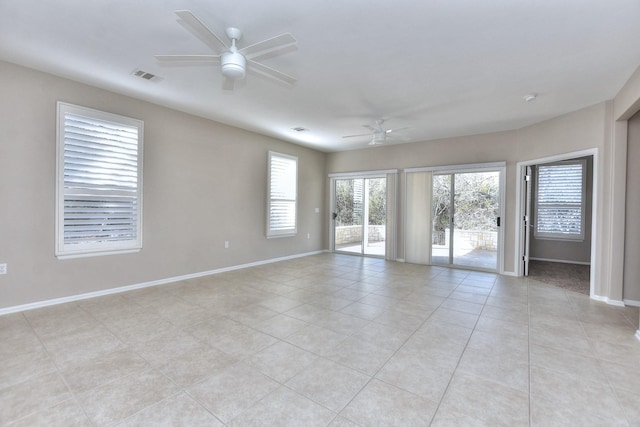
<point x="466" y="219"/>
<point x="453" y="216"/>
<point x="555" y="242"/>
<point x="360" y="215"/>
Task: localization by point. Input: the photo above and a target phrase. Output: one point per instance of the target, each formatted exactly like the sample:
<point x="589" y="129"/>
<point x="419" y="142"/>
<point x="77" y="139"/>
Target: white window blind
<point x="282" y="195"/>
<point x="99" y="187"/>
<point x="560" y="199"/>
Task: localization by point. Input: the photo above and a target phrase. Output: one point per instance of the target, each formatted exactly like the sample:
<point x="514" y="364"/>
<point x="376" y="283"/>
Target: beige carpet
<point x="573" y="277"/>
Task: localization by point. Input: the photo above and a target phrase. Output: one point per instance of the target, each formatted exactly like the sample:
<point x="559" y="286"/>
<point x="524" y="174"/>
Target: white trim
<point x="90" y="248"/>
<point x="503" y="217"/>
<point x="457" y="168"/>
<point x="613" y="302"/>
<point x="101" y="253"/>
<point x="332" y="210"/>
<point x="332" y="205"/>
<point x="391" y="250"/>
<point x="638" y="334"/>
<point x="561" y="261"/>
<point x="631" y="302"/>
<point x="519" y="250"/>
<point x="554" y="235"/>
<point x="501" y="168"/>
<point x="400" y="260"/>
<point x="288" y="232"/>
<point x="366" y="174"/>
<point x="110" y="291"/>
<point x="509" y="273"/>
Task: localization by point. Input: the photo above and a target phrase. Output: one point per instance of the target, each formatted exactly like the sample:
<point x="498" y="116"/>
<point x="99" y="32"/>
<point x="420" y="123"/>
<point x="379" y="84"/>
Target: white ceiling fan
<point x="379" y="135"/>
<point x="235" y="61"/>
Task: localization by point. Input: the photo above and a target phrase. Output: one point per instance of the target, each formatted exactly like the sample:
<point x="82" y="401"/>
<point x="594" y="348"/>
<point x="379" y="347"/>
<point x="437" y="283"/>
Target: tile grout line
<point x="74" y="395"/>
<point x="444" y="393"/>
<point x="389" y="358"/>
<point x="599" y="363"/>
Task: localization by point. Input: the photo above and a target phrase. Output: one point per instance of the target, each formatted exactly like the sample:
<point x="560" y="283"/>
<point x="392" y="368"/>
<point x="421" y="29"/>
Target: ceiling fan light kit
<point x="233" y="65"/>
<point x="233" y="61"/>
<point x="378" y="134"/>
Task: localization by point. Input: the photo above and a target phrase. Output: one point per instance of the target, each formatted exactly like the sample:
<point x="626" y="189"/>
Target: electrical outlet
<point x="308" y="235"/>
<point x="226" y="244"/>
<point x="3" y="268"/>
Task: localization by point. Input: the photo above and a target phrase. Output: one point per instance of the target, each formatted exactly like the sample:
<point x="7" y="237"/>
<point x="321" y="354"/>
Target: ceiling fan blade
<point x="191" y="58"/>
<point x="202" y="31"/>
<point x="270" y="72"/>
<point x="266" y="54"/>
<point x="371" y="128"/>
<point x="353" y="136"/>
<point x="228" y="84"/>
<point x="388" y="131"/>
<point x="269" y="46"/>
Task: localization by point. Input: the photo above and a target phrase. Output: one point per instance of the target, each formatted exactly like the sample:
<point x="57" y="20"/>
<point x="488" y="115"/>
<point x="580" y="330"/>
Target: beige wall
<point x="204" y="183"/>
<point x="476" y="149"/>
<point x="574" y="132"/>
<point x="627" y="101"/>
<point x="632" y="229"/>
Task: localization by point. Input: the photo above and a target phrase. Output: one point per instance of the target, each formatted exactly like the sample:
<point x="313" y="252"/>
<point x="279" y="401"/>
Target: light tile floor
<point x="325" y="340"/>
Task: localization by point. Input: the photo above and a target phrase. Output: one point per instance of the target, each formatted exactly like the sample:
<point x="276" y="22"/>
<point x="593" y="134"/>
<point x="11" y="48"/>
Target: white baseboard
<point x="631" y="302"/>
<point x="510" y="273"/>
<point x="609" y="301"/>
<point x="561" y="261"/>
<point x="110" y="291"/>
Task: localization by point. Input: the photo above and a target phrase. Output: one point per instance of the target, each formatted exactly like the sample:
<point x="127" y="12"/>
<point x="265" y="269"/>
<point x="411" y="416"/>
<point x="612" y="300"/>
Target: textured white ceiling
<point x="441" y="68"/>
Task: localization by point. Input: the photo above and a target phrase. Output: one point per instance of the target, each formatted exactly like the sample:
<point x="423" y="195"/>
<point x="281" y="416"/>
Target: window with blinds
<point x="99" y="185"/>
<point x="282" y="195"/>
<point x="560" y="199"/>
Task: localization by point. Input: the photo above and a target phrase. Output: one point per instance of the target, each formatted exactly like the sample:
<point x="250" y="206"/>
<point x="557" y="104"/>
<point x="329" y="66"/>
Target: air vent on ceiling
<point x="143" y="74"/>
<point x="300" y="129"/>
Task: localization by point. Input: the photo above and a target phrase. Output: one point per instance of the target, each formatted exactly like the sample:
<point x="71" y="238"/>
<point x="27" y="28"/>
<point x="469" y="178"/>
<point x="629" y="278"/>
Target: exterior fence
<point x="353" y="234"/>
<point x="472" y="239"/>
<point x="463" y="239"/>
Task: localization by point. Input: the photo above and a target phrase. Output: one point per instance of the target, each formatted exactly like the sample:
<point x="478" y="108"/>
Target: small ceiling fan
<point x="379" y="135"/>
<point x="235" y="61"/>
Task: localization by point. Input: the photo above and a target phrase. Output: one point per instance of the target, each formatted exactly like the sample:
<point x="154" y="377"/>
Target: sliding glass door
<point x="360" y="215"/>
<point x="466" y="219"/>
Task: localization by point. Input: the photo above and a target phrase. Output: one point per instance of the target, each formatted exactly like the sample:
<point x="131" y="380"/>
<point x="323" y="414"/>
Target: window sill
<point x="96" y="253"/>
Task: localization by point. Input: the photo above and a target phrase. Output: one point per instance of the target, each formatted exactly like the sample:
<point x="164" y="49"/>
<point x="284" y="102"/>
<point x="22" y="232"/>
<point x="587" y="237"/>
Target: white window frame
<point x="562" y="236"/>
<point x="272" y="198"/>
<point x="97" y="191"/>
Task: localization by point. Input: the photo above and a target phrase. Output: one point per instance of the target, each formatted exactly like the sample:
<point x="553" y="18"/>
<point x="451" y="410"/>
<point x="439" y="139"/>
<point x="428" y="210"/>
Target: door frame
<point x="521" y="203"/>
<point x="482" y="168"/>
<point x="476" y="167"/>
<point x="332" y="201"/>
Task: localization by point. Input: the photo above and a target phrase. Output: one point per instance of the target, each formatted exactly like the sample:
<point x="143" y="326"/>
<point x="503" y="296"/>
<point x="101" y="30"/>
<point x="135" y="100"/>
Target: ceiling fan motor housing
<point x="233" y="65"/>
<point x="379" y="137"/>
